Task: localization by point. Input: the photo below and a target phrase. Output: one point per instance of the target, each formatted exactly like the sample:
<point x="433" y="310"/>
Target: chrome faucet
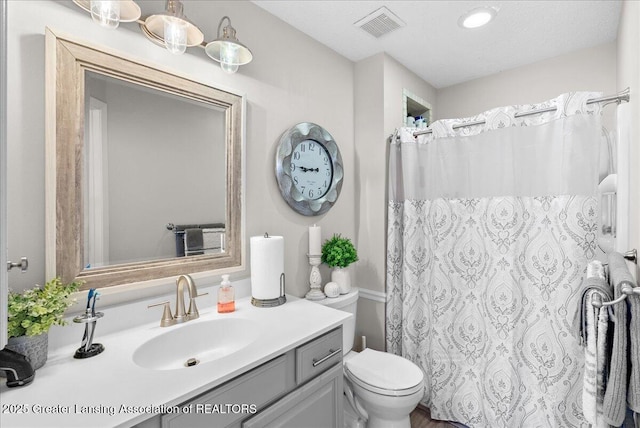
<point x="180" y="315"/>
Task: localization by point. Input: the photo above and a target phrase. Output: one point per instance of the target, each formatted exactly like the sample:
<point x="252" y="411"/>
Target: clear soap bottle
<point x="226" y="298"/>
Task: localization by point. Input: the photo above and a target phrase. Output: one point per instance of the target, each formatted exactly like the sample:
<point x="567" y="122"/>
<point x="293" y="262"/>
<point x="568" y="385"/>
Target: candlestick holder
<point x="315" y="279"/>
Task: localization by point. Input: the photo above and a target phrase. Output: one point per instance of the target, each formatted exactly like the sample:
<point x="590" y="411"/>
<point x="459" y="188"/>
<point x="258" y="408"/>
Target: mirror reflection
<point x="155" y="174"/>
<point x="147" y="177"/>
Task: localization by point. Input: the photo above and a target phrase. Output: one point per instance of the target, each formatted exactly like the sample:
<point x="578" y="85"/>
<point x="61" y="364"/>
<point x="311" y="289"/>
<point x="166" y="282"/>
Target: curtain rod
<point x="617" y="98"/>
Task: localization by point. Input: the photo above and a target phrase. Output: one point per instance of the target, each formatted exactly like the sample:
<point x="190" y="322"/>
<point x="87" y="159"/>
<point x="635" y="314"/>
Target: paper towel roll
<point x="267" y="265"/>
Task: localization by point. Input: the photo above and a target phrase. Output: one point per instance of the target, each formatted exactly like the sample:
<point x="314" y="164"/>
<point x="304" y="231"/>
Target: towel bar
<point x="181" y="227"/>
<point x="627" y="288"/>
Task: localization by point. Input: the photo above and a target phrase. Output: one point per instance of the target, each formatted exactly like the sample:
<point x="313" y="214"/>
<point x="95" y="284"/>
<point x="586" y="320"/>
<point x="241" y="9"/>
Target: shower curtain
<point x="490" y="229"/>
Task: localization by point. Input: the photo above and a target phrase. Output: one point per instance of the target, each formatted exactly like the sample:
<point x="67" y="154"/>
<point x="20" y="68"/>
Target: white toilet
<point x="380" y="388"/>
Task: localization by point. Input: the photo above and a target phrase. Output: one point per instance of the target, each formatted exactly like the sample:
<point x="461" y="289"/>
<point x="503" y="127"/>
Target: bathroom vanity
<point x="302" y="387"/>
<point x="287" y="373"/>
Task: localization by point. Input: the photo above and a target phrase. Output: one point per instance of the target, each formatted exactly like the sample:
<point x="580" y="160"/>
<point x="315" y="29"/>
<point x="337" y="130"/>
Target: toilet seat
<point x="383" y="373"/>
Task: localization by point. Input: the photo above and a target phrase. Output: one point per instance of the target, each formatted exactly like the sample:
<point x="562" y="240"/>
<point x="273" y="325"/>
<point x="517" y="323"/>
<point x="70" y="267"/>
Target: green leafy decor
<point x="338" y="252"/>
<point x="36" y="310"/>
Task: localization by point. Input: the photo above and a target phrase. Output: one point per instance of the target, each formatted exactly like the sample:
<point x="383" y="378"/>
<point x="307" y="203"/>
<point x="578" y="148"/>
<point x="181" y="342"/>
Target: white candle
<point x="314" y="240"/>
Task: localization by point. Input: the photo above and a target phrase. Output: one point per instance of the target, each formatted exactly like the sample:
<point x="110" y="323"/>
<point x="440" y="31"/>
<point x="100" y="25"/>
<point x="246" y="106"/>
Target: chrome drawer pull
<point x="332" y="353"/>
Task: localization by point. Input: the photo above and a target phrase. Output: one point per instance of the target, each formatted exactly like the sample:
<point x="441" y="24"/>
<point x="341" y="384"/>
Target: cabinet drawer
<point x="257" y="387"/>
<point x="318" y="355"/>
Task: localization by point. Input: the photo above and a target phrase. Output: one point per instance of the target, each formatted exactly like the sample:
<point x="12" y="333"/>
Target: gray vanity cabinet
<point x="300" y="388"/>
<point x="316" y="404"/>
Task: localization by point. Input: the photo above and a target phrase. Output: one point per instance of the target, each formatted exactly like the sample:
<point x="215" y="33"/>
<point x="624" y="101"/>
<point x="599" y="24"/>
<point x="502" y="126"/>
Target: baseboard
<point x="376" y="296"/>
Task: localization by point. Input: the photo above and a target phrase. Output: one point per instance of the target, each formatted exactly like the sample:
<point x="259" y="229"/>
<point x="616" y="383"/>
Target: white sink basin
<point x="196" y="343"/>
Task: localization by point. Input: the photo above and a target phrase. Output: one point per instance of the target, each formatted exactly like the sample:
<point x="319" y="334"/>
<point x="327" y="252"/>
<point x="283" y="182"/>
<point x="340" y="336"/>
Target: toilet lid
<point x="384" y="372"/>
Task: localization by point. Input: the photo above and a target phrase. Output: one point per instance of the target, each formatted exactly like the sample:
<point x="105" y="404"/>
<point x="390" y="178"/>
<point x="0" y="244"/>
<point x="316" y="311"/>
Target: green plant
<point x="338" y="252"/>
<point x="37" y="309"/>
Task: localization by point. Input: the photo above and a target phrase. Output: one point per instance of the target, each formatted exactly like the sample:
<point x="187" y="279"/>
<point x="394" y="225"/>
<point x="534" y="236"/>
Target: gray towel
<point x="193" y="242"/>
<point x="580" y="319"/>
<point x="633" y="394"/>
<point x="615" y="397"/>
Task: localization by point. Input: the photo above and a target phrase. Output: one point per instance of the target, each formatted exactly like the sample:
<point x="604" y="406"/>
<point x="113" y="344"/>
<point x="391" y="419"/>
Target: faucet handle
<point x="167" y="318"/>
<point x="193" y="313"/>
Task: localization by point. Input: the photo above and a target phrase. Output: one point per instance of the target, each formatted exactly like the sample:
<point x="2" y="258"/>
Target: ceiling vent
<point x="380" y="22"/>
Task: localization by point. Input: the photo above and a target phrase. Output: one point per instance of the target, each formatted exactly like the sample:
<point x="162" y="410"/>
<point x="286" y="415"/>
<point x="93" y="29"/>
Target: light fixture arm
<point x="175" y="8"/>
<point x="227" y="49"/>
<point x="225" y="35"/>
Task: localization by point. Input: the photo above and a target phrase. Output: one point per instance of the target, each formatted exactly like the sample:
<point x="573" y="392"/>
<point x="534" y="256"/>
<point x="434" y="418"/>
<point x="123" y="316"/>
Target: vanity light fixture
<point x="477" y="17"/>
<point x="172" y="29"/>
<point x="227" y="49"/>
<point x="110" y="13"/>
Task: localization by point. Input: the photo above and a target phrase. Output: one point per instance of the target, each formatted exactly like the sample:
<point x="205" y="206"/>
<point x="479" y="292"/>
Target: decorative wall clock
<point x="309" y="169"/>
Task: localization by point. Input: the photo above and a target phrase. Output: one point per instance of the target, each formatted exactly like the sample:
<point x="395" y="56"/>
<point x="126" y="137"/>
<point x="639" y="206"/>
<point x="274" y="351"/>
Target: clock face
<point x="311" y="169"/>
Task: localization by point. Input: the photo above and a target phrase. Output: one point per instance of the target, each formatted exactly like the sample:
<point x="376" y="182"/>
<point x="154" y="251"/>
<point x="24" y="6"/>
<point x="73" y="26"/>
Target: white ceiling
<point x="433" y="46"/>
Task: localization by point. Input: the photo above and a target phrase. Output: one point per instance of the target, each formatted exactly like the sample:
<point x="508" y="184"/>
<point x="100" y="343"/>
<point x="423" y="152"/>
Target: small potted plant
<point x="338" y="253"/>
<point x="32" y="313"/>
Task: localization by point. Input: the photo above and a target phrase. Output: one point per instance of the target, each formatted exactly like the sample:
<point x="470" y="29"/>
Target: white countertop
<point x="100" y="391"/>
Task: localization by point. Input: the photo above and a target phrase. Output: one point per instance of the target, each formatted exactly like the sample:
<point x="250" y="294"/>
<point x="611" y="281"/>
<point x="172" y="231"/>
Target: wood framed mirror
<point x="104" y="210"/>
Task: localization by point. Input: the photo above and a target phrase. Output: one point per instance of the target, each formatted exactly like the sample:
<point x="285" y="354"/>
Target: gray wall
<point x="628" y="76"/>
<point x="591" y="69"/>
<point x="380" y="81"/>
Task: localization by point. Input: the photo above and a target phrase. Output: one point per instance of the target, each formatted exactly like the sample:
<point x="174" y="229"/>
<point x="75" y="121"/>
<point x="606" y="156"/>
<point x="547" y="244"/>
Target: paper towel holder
<point x="270" y="303"/>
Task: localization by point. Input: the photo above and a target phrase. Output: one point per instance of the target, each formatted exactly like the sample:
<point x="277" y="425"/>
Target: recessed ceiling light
<point x="477" y="17"/>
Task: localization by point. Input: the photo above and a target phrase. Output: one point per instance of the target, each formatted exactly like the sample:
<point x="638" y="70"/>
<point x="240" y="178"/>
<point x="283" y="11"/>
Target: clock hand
<point x="305" y="169"/>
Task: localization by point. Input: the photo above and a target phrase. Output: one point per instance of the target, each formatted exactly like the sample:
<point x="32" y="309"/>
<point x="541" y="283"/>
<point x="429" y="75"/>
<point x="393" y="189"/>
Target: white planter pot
<point x="342" y="277"/>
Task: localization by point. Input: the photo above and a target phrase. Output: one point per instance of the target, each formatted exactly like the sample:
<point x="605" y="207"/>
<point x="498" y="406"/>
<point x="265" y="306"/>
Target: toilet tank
<point x="348" y="303"/>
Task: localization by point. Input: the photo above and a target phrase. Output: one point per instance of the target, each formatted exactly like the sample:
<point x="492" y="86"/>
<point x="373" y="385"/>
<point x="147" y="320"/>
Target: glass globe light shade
<point x="229" y="57"/>
<point x="229" y="68"/>
<point x="175" y="35"/>
<point x="106" y="13"/>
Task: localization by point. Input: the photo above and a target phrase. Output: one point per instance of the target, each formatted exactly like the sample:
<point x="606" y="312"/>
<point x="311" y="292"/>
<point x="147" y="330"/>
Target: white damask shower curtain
<point x="490" y="229"/>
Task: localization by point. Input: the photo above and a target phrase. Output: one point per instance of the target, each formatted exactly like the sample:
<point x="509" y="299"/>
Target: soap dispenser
<point x="226" y="298"/>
